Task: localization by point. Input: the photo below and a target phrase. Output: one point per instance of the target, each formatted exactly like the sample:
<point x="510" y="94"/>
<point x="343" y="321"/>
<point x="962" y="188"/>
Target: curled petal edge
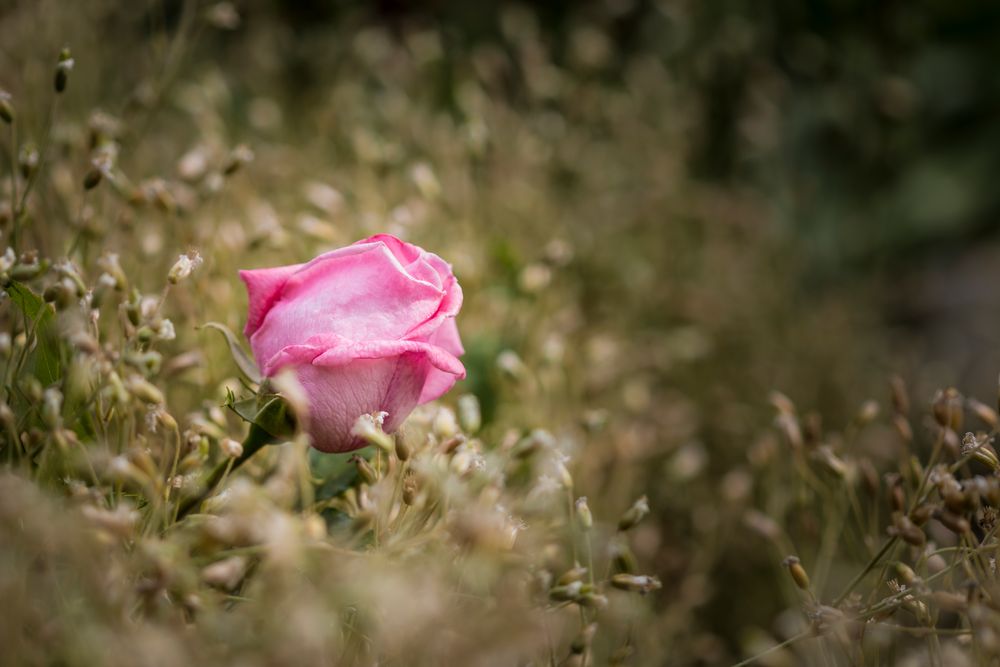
<point x="332" y="350"/>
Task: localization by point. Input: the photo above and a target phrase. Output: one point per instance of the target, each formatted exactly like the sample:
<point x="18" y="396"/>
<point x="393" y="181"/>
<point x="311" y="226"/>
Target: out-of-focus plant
<point x="179" y="535"/>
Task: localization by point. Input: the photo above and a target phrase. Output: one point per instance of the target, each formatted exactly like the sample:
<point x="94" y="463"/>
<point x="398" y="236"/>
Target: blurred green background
<point x="665" y="209"/>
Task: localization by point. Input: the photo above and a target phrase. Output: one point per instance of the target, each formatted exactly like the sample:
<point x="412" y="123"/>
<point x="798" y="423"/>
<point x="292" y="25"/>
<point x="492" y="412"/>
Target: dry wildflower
<point x="231" y="448"/>
<point x="947" y="409"/>
<point x="634" y="514"/>
<point x="636" y="583"/>
<point x="365" y="469"/>
<point x="798" y="573"/>
<point x="981" y="450"/>
<point x="907" y="530"/>
<point x="184" y="267"/>
<point x="984" y="412"/>
<point x="583" y="514"/>
<point x="240" y="156"/>
<point x="369" y="428"/>
<point x="6" y="107"/>
<point x="469" y="417"/>
<point x="63" y="68"/>
<point x="226" y="573"/>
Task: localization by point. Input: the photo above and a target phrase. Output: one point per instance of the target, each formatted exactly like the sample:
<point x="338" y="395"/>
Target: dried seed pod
<point x="903" y="428"/>
<point x="641" y="583"/>
<point x="984" y="412"/>
<point x="981" y="450"/>
<point x="231" y="448"/>
<point x="240" y="156"/>
<point x="583" y="515"/>
<point x="6" y="108"/>
<point x="566" y="593"/>
<point x="869" y="475"/>
<point x="27" y="160"/>
<point x="469" y="415"/>
<point x="949" y="601"/>
<point x="584" y="639"/>
<point x="403" y="449"/>
<point x="867" y="413"/>
<point x="905" y="529"/>
<point x="369" y="427"/>
<point x="781" y="403"/>
<point x="410" y="490"/>
<point x="790" y="429"/>
<point x="936" y="564"/>
<point x="896" y="495"/>
<point x="145" y="391"/>
<point x="592" y="600"/>
<point x="799" y="575"/>
<point x="824" y="455"/>
<point x="634" y="514"/>
<point x="922" y="513"/>
<point x="955" y="502"/>
<point x="947" y="408"/>
<point x="906" y="574"/>
<point x="953" y="522"/>
<point x="184" y="267"/>
<point x="365" y="470"/>
<point x="52" y="401"/>
<point x="622" y="557"/>
<point x="225" y="574"/>
<point x="92" y="178"/>
<point x="63" y="68"/>
<point x="573" y="574"/>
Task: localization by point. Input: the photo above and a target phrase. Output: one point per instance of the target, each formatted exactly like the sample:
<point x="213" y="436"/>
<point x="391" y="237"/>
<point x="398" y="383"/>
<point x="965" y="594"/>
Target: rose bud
<point x="367" y="328"/>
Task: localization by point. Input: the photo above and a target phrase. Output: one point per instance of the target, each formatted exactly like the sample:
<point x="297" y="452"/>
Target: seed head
<point x="6" y="108"/>
<point x="240" y="156"/>
<point x="184" y="267"/>
<point x="469" y="417"/>
<point x="634" y="514"/>
<point x="365" y="470"/>
<point x="947" y="408"/>
<point x="63" y="68"/>
<point x="636" y="583"/>
<point x="583" y="514"/>
<point x="984" y="412"/>
<point x="27" y="160"/>
<point x="231" y="448"/>
<point x="799" y="575"/>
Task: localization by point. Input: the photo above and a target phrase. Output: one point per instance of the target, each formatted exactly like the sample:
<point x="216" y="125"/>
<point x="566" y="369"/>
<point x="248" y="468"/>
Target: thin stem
<point x="256" y="439"/>
<point x="13" y="177"/>
<point x="777" y="647"/>
<point x="868" y="568"/>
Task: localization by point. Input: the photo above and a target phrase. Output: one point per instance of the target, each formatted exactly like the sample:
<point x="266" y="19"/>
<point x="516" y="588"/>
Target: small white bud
<point x="231" y="448"/>
<point x="183" y="267"/>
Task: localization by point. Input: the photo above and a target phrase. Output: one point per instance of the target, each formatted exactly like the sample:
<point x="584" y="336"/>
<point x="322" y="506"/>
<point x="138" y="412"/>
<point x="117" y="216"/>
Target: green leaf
<point x="240" y="356"/>
<point x="47" y="357"/>
<point x="268" y="412"/>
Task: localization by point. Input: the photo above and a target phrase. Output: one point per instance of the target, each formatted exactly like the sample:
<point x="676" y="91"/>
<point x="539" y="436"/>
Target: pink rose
<point x="367" y="328"/>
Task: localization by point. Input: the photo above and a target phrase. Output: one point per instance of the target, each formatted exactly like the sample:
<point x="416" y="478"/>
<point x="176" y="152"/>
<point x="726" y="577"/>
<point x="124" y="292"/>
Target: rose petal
<point x="439" y="381"/>
<point x="341" y="394"/>
<point x="450" y="305"/>
<point x="346" y="379"/>
<point x="332" y="350"/>
<point x="362" y="295"/>
<point x="263" y="287"/>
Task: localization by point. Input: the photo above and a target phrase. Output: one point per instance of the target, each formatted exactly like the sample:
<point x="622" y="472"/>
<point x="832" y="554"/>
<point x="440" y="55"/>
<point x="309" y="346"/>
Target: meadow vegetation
<point x="670" y="448"/>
